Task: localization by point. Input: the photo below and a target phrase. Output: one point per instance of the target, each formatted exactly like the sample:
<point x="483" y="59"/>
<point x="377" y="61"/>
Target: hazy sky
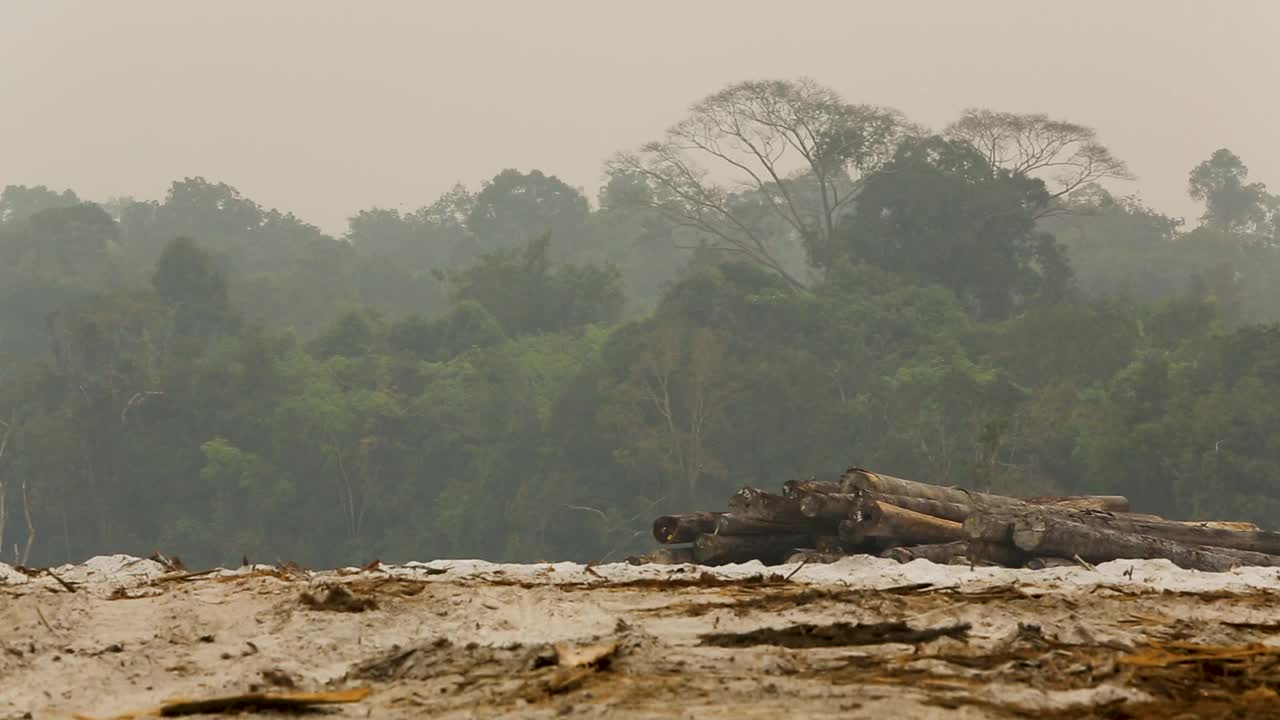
<point x="324" y="108"/>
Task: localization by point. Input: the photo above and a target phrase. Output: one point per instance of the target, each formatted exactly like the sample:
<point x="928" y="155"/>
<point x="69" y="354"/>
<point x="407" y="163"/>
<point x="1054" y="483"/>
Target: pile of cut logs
<point x="868" y="513"/>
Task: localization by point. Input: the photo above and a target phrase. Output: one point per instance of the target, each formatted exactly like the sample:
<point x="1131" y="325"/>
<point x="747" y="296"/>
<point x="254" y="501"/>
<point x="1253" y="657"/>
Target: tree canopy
<point x="786" y="282"/>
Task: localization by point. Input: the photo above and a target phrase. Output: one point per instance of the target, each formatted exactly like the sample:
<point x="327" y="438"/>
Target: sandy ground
<point x="462" y="639"/>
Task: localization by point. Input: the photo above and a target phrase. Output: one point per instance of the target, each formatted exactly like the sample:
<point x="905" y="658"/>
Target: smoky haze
<point x="323" y="108"/>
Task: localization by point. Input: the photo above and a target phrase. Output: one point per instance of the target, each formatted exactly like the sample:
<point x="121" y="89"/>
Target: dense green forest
<point x="783" y="284"/>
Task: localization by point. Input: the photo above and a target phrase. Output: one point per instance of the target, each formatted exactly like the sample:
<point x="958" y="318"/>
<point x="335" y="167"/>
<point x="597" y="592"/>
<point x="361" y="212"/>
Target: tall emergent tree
<point x="1067" y="153"/>
<point x="792" y="152"/>
<point x="1232" y="203"/>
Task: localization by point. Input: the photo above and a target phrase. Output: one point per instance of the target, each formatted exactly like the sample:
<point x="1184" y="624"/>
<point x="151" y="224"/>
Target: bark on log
<point x="761" y="505"/>
<point x="1105" y="503"/>
<point x="734" y="524"/>
<point x="874" y="518"/>
<point x="945" y="510"/>
<point x="724" y="549"/>
<point x="684" y="527"/>
<point x="860" y="479"/>
<point x="1045" y="534"/>
<point x="997" y="529"/>
<point x="798" y="489"/>
<point x="1222" y="525"/>
<point x="854" y="542"/>
<point x="828" y="506"/>
<point x="998" y="553"/>
<point x="1212" y="534"/>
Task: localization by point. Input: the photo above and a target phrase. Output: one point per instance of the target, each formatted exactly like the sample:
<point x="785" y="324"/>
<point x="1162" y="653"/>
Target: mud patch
<point x="807" y="635"/>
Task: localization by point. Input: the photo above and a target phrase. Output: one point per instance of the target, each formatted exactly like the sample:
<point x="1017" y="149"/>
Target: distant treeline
<point x="783" y="284"/>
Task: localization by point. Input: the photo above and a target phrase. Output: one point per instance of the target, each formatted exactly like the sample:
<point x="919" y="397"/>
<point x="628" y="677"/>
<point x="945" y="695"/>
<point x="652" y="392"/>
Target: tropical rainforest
<point x="783" y="284"/>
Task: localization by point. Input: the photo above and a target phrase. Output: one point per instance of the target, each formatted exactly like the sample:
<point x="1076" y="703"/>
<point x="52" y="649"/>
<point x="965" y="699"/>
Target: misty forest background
<point x="782" y="285"/>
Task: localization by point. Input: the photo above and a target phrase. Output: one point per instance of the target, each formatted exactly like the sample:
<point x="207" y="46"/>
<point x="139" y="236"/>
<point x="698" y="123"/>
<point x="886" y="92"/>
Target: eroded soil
<point x="446" y="645"/>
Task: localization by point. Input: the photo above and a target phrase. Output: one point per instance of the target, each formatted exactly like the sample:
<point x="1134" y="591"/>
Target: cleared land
<point x="865" y="637"/>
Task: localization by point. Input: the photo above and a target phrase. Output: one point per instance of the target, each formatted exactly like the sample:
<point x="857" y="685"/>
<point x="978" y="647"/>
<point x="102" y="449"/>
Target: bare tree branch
<point x="1067" y="154"/>
<point x="794" y="146"/>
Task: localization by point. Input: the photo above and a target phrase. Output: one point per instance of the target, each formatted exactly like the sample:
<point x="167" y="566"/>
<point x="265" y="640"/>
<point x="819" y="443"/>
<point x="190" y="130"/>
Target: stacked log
<point x="864" y="512"/>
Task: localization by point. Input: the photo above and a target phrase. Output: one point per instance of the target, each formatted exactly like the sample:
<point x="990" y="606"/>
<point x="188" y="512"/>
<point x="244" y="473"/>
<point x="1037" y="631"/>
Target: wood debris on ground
<point x="869" y="513"/>
<point x="247" y="702"/>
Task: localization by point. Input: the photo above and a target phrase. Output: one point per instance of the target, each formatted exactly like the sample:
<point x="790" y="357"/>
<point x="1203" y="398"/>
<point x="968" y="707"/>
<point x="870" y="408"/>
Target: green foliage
<point x="516" y="208"/>
<point x="527" y="294"/>
<point x="940" y="211"/>
<point x="187" y="279"/>
<point x="455" y="381"/>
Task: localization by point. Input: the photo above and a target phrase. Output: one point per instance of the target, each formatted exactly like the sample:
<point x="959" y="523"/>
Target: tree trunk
<point x="837" y="506"/>
<point x="981" y="527"/>
<point x="828" y="506"/>
<point x="761" y="505"/>
<point x="996" y="527"/>
<point x="1104" y="503"/>
<point x="873" y="518"/>
<point x="31" y="528"/>
<point x="798" y="489"/>
<point x="734" y="524"/>
<point x="859" y="479"/>
<point x="684" y="527"/>
<point x="1044" y="534"/>
<point x="725" y="549"/>
<point x="1213" y="534"/>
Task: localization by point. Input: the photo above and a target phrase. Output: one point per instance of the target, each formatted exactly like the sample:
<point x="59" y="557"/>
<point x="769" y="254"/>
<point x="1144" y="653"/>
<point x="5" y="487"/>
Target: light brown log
<point x="725" y="549"/>
<point x="684" y="527"/>
<point x="1104" y="503"/>
<point x="873" y="518"/>
<point x="861" y="479"/>
<point x="761" y="505"/>
<point x="1045" y="534"/>
<point x="1221" y="525"/>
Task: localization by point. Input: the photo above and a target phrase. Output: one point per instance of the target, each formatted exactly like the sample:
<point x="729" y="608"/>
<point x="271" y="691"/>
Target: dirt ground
<point x="860" y="638"/>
